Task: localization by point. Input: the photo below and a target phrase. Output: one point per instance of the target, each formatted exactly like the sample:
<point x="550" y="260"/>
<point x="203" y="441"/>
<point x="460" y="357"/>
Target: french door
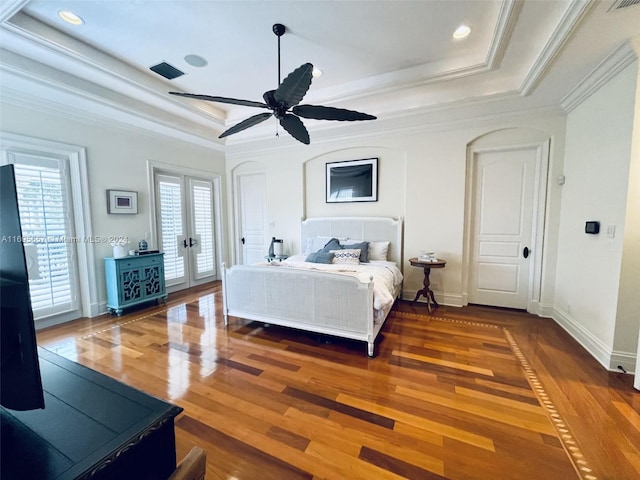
<point x="185" y="228"/>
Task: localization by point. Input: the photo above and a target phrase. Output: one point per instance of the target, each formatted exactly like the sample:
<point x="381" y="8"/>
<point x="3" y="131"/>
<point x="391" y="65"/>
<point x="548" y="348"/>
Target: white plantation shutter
<point x="171" y="225"/>
<point x="48" y="235"/>
<point x="202" y="205"/>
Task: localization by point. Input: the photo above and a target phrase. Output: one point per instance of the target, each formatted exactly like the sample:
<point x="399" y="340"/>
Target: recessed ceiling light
<point x="316" y="72"/>
<point x="461" y="32"/>
<point x="70" y="17"/>
<point x="196" y="61"/>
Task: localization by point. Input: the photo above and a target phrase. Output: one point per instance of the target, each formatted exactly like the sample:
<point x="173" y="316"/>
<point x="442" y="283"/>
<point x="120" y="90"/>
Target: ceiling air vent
<point x="618" y="4"/>
<point x="167" y="71"/>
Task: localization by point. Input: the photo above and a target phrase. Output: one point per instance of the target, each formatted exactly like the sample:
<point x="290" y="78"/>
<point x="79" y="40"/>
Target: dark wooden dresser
<point x="92" y="427"/>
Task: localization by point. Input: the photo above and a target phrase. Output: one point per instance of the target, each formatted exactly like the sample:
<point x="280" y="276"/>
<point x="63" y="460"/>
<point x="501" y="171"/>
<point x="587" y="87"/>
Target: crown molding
<point x="506" y="23"/>
<point x="80" y="106"/>
<point x="8" y="8"/>
<point x="563" y="31"/>
<point x="32" y="39"/>
<point x="613" y="64"/>
<point x="453" y="116"/>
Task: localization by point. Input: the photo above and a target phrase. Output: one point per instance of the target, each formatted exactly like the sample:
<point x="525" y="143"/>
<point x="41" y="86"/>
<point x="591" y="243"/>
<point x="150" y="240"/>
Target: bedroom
<point x="423" y="163"/>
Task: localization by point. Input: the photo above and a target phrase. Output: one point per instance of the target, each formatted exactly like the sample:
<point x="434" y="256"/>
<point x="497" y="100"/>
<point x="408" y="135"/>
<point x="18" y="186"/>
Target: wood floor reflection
<point x="442" y="399"/>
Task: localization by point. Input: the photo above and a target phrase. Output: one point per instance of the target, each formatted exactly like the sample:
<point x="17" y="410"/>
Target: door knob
<point x="242" y="240"/>
<point x="525" y="252"/>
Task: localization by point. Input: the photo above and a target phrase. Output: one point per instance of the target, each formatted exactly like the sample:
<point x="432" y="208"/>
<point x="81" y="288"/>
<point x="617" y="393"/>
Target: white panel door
<point x="252" y="217"/>
<point x="502" y="229"/>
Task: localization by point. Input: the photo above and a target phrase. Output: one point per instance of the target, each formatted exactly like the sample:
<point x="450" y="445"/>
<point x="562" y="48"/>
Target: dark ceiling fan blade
<point x="234" y="101"/>
<point x="294" y="126"/>
<point x="318" y="112"/>
<point x="293" y="88"/>
<point x="249" y="122"/>
<point x="270" y="99"/>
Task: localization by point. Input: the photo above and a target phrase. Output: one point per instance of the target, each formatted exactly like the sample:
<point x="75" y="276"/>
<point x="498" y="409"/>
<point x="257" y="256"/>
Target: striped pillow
<point x="350" y="256"/>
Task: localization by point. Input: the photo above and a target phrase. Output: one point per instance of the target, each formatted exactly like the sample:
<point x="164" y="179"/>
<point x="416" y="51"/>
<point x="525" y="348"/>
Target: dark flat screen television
<point x="20" y="381"/>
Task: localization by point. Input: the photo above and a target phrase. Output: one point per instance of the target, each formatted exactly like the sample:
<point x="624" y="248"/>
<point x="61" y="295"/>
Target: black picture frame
<point x="352" y="181"/>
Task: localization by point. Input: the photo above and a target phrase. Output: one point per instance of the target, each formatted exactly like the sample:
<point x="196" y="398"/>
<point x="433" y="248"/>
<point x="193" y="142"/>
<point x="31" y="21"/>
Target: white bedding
<point x="386" y="276"/>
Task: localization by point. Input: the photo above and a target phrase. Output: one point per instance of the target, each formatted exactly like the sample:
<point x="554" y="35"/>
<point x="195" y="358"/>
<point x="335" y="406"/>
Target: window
<point x="53" y="197"/>
<point x="47" y="230"/>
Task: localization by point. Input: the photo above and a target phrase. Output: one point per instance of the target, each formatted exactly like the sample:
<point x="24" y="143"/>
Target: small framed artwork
<point x="352" y="181"/>
<point x="122" y="201"/>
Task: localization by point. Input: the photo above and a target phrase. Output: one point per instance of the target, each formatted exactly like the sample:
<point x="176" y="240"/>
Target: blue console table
<point x="133" y="280"/>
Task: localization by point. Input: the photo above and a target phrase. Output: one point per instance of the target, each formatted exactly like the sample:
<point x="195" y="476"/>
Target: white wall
<point x="117" y="159"/>
<point x="628" y="300"/>
<point x="422" y="178"/>
<point x="597" y="165"/>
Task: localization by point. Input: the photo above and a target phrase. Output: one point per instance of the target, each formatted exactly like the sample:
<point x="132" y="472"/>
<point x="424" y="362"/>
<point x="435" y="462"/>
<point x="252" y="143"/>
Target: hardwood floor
<point x="485" y="394"/>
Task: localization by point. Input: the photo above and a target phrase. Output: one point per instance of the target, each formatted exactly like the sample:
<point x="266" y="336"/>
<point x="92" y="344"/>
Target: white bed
<point x="321" y="300"/>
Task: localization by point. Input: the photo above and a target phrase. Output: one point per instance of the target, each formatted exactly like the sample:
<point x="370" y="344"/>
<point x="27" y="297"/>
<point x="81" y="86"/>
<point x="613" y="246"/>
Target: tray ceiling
<point x="387" y="58"/>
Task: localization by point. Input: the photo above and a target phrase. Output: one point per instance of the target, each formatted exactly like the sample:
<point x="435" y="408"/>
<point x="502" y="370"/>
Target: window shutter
<point x="171" y="226"/>
<point x="47" y="234"/>
<point x="202" y="193"/>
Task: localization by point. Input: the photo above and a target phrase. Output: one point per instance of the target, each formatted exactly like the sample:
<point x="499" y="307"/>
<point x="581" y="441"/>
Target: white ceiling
<point x="386" y="58"/>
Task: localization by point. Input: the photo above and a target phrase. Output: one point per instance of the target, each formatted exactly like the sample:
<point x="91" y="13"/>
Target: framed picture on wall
<point x="122" y="202"/>
<point x="352" y="181"/>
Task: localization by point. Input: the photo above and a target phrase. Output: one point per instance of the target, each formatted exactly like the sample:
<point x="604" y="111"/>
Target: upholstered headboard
<point x="371" y="229"/>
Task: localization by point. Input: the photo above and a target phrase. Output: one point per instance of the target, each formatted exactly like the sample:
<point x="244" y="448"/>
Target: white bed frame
<point x="315" y="301"/>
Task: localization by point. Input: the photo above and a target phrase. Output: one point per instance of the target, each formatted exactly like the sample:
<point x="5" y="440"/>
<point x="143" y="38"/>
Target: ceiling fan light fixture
<point x="461" y="32"/>
<point x="70" y="17"/>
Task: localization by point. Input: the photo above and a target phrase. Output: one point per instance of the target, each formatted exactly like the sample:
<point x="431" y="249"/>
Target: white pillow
<point x="349" y="256"/>
<point x="378" y="250"/>
<point x="344" y="241"/>
<point x="316" y="243"/>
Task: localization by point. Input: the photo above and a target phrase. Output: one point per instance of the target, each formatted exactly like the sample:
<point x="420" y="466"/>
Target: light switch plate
<point x="611" y="231"/>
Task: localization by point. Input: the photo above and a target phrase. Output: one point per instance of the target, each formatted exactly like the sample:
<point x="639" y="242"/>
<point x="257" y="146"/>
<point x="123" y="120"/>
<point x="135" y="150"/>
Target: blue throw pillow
<point x="364" y="250"/>
<point x="333" y="244"/>
<point x="321" y="256"/>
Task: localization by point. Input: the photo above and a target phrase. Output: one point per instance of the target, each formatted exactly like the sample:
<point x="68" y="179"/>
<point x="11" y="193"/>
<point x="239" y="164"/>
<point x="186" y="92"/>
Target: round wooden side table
<point x="426" y="291"/>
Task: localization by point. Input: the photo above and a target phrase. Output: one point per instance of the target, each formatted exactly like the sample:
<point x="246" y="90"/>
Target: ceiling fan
<point x="283" y="102"/>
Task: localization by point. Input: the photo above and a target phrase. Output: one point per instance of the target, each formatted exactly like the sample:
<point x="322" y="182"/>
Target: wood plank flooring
<point x="470" y="393"/>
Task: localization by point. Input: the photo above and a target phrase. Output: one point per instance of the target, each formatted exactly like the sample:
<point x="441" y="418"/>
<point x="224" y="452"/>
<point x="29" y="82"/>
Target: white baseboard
<point x="608" y="358"/>
<point x="541" y="309"/>
<point x="449" y="300"/>
<point x="623" y="359"/>
<point x="97" y="309"/>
